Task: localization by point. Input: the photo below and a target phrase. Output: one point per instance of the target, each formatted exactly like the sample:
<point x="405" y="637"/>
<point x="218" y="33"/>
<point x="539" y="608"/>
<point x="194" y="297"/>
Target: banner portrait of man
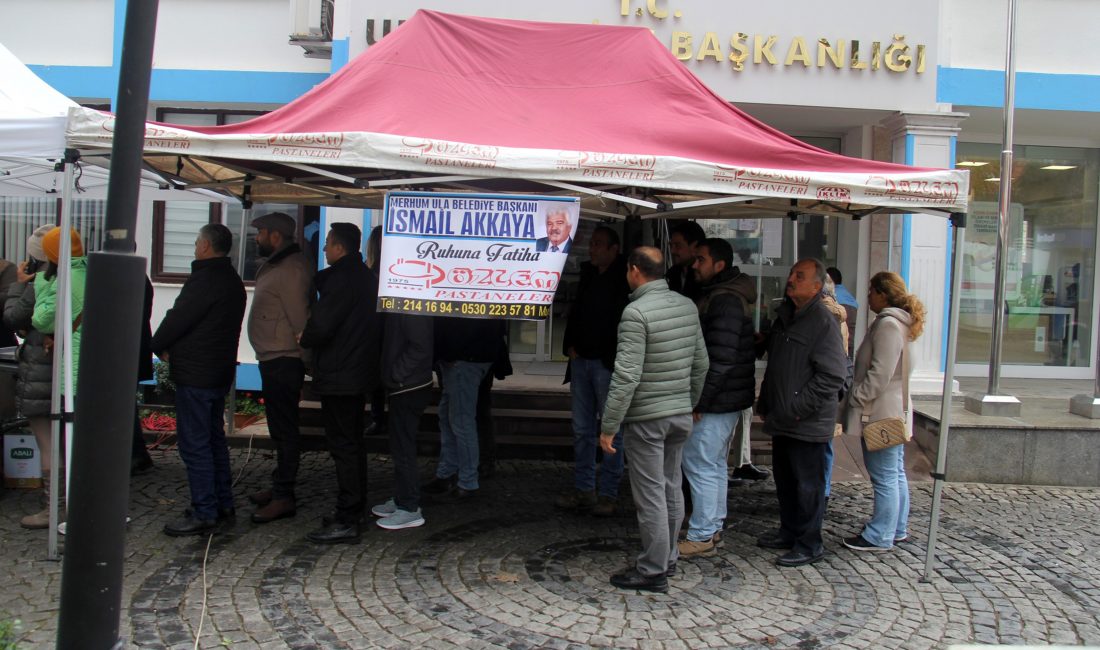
<point x="559" y="232"/>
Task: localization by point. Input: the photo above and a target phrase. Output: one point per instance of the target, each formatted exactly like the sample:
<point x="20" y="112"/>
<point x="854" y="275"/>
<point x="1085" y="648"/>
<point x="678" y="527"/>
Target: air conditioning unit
<point x="311" y="27"/>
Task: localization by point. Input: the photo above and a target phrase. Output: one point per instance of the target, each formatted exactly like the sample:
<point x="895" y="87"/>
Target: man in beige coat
<point x="280" y="309"/>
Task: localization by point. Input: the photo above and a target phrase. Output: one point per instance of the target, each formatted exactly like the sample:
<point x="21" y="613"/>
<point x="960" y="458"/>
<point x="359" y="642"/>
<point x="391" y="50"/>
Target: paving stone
<point x="509" y="571"/>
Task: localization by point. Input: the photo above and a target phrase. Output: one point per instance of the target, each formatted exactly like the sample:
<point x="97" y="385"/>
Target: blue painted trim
<point x="907" y="219"/>
<point x="80" y="81"/>
<point x="340" y="53"/>
<point x="1035" y="90"/>
<point x="947" y="275"/>
<point x="217" y="86"/>
<point x="232" y="85"/>
<point x="248" y="377"/>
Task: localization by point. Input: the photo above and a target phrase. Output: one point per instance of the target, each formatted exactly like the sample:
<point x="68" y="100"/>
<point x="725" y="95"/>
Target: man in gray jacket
<point x="660" y="366"/>
<point x="807" y="368"/>
<point x="280" y="309"/>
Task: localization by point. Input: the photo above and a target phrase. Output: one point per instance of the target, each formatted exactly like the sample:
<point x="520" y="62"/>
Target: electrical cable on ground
<point x="210" y="540"/>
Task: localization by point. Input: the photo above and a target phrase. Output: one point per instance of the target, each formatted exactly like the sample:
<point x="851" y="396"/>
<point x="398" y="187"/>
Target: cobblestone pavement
<point x="1017" y="565"/>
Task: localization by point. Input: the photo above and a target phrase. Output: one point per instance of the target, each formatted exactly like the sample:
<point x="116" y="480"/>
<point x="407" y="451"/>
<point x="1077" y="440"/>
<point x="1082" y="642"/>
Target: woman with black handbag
<point x="878" y="404"/>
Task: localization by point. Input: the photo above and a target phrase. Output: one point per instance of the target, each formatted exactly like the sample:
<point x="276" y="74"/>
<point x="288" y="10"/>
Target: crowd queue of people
<point x="661" y="371"/>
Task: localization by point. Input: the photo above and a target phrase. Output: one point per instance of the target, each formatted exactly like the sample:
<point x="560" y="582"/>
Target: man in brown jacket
<point x="280" y="308"/>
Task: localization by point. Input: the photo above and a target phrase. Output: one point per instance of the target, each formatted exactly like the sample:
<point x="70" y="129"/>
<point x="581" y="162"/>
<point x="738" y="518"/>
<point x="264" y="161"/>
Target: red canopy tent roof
<point x="488" y="99"/>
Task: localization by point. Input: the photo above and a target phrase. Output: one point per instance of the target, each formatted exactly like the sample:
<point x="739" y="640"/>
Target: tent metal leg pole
<point x="959" y="222"/>
<point x="62" y="364"/>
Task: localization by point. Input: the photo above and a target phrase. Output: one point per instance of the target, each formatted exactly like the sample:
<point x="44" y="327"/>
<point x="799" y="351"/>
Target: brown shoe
<point x="605" y="506"/>
<point x="576" y="500"/>
<point x="275" y="509"/>
<point x="41" y="520"/>
<point x="261" y="498"/>
<point x="689" y="548"/>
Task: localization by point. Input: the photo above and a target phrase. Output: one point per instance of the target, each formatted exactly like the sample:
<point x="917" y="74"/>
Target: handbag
<point x="890" y="432"/>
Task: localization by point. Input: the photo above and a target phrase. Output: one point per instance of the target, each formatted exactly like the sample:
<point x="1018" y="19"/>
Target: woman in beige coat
<point x="877" y="393"/>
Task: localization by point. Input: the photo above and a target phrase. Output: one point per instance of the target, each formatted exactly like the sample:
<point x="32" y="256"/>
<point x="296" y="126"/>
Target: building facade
<point x="923" y="87"/>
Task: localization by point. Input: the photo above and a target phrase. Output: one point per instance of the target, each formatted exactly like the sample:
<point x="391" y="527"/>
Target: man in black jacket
<point x="807" y="368"/>
<point x="198" y="338"/>
<point x="683" y="238"/>
<point x="725" y="296"/>
<point x="591" y="336"/>
<point x="342" y="332"/>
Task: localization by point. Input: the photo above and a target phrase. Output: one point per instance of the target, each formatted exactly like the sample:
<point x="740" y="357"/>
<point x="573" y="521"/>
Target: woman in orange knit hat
<point x="45" y="291"/>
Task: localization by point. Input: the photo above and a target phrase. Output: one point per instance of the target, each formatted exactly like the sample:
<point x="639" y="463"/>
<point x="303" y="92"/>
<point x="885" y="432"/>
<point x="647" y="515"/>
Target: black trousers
<point x="344" y="416"/>
<point x="282" y="386"/>
<point x="799" y="471"/>
<point x="404" y="422"/>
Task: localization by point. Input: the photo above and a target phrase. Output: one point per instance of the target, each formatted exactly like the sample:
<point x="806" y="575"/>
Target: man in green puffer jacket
<point x="660" y="366"/>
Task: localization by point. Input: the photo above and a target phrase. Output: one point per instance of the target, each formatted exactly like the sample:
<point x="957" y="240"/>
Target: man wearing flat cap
<point x="280" y="309"/>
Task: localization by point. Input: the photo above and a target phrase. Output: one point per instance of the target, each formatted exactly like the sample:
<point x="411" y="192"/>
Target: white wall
<point x="1051" y="35"/>
<point x="59" y="32"/>
<point x="191" y="34"/>
<point x="229" y="35"/>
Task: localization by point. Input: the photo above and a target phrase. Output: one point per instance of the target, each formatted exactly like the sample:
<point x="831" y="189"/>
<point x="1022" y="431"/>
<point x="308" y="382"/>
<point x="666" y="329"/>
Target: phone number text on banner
<point x="474" y="255"/>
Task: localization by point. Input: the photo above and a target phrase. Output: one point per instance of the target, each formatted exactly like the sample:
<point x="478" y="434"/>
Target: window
<point x="1049" y="285"/>
<point x="20" y="216"/>
<point x="176" y="224"/>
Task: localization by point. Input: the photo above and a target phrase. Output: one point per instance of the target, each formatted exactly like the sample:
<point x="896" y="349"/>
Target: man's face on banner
<point x="558" y="227"/>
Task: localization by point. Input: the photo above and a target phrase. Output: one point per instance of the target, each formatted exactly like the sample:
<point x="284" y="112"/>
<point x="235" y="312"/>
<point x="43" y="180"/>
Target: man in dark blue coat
<point x="343" y="335"/>
<point x="807" y="369"/>
<point x="198" y="338"/>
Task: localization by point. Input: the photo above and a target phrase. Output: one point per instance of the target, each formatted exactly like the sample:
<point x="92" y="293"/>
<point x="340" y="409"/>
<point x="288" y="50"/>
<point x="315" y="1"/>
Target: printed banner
<point x="474" y="255"/>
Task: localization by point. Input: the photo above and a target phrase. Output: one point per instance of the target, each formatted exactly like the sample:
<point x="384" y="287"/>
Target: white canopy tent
<point x="34" y="162"/>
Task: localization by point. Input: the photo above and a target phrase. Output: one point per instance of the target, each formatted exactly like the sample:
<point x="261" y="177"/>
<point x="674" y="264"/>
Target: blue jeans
<point x="458" y="451"/>
<point x="704" y="465"/>
<point x="829" y="457"/>
<point x="890" y="519"/>
<point x="200" y="435"/>
<point x="588" y="384"/>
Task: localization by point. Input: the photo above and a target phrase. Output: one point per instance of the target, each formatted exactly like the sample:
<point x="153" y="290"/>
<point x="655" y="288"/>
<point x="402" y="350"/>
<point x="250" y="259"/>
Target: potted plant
<point x="249" y="409"/>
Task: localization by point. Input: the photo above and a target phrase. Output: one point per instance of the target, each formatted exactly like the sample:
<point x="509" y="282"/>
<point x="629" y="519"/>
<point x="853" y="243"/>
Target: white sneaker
<point x="384" y="509"/>
<point x="401" y="519"/>
<point x="61" y="527"/>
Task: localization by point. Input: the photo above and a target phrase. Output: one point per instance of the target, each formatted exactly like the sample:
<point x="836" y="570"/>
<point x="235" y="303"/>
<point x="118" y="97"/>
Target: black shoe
<point x="798" y="558"/>
<point x="140" y="465"/>
<point x="188" y="525"/>
<point x="335" y="532"/>
<point x="858" y="543"/>
<point x="631" y="579"/>
<point x="736" y="482"/>
<point x="776" y="541"/>
<point x="750" y="472"/>
<point x="671" y="570"/>
<point x="439" y="485"/>
<point x="456" y="495"/>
